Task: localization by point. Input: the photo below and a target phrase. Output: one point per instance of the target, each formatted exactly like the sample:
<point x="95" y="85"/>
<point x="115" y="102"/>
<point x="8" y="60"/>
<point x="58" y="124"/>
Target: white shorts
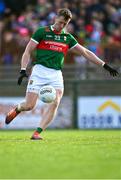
<point x="41" y="76"/>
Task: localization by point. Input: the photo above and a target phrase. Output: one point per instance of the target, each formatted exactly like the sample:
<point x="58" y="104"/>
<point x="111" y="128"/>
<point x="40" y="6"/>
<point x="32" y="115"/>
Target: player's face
<point x="60" y="23"/>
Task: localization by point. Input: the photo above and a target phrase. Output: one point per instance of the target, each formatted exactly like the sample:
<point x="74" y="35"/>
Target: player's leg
<point x="30" y="102"/>
<point x="48" y="114"/>
<point x="30" y="99"/>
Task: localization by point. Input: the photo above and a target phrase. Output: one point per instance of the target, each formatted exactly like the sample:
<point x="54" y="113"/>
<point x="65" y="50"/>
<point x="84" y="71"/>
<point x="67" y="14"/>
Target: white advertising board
<point x="31" y="119"/>
<point x="99" y="112"/>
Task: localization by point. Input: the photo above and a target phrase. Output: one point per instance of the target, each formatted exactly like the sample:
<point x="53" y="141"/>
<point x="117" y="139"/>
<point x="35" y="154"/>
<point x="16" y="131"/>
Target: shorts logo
<point x="31" y="82"/>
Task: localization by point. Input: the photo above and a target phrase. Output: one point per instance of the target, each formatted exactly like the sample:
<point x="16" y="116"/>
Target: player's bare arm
<point x="88" y="54"/>
<point x="93" y="58"/>
<point x="25" y="60"/>
<point x="26" y="55"/>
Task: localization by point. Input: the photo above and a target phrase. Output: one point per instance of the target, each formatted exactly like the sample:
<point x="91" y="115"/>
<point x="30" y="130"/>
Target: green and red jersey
<point x="52" y="47"/>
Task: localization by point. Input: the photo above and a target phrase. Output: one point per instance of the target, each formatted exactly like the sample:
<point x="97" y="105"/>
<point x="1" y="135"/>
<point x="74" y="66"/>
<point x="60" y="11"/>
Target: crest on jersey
<point x="65" y="38"/>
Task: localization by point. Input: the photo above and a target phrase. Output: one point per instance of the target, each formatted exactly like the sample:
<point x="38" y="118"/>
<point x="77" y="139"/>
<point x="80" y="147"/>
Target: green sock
<point x="39" y="130"/>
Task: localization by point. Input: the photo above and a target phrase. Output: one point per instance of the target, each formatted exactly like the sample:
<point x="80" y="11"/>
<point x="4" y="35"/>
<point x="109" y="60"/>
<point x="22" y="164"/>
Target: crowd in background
<point x="96" y="24"/>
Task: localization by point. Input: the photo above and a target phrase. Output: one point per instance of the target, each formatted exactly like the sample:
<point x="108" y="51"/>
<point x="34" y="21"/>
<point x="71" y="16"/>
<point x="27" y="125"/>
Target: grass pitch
<point x="62" y="154"/>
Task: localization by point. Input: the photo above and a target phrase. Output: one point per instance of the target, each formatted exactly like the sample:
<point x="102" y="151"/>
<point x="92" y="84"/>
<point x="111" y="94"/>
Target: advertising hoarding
<point x="31" y="119"/>
<point x="99" y="112"/>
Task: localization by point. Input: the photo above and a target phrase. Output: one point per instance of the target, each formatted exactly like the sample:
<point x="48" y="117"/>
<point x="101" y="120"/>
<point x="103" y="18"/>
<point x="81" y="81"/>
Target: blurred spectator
<point x="2" y="7"/>
<point x="9" y="49"/>
<point x="95" y="23"/>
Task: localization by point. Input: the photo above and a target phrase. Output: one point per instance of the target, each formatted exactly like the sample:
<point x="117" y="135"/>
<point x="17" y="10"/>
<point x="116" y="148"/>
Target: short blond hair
<point x="66" y="13"/>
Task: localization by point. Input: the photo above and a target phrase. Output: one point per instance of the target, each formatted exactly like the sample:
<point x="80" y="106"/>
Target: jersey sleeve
<point x="73" y="41"/>
<point x="38" y="35"/>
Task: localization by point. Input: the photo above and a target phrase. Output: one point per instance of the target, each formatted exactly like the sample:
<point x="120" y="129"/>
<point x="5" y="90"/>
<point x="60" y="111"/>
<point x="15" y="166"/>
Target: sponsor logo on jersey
<point x="54" y="46"/>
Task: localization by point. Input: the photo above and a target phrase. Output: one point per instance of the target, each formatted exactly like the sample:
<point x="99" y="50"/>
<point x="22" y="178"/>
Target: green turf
<point x="62" y="154"/>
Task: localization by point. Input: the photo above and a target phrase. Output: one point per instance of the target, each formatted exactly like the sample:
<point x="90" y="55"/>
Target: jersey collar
<point x="56" y="32"/>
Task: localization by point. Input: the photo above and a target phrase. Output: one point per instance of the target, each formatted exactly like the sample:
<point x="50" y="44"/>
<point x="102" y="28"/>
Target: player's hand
<point x="22" y="75"/>
<point x="112" y="71"/>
